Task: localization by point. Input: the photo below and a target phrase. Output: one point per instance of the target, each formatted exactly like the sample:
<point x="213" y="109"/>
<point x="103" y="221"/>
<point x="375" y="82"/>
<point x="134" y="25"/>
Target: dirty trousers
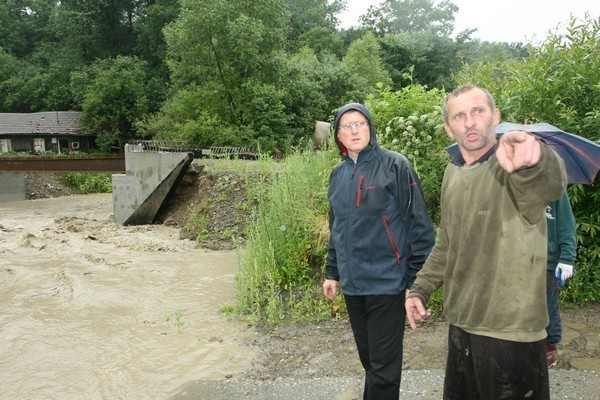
<point x="378" y="326"/>
<point x="485" y="368"/>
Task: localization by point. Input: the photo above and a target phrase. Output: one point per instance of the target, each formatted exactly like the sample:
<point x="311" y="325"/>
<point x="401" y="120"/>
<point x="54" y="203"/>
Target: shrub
<point x="87" y="183"/>
<point x="410" y="122"/>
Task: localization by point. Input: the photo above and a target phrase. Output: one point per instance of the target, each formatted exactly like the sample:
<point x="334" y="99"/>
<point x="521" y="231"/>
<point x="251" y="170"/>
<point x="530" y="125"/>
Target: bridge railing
<point x="169" y="146"/>
<point x="157" y="146"/>
<point x="229" y="152"/>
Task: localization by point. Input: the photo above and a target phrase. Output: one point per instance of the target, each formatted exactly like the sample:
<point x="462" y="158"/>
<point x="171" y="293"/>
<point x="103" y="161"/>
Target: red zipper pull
<point x="360" y="183"/>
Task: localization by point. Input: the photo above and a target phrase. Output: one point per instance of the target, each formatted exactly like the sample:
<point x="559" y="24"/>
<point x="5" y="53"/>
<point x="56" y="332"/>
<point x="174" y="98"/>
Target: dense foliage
<point x="409" y="121"/>
<point x="220" y="72"/>
<point x="260" y="73"/>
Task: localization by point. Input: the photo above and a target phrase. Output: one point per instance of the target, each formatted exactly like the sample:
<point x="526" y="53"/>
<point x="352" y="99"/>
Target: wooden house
<point x="51" y="131"/>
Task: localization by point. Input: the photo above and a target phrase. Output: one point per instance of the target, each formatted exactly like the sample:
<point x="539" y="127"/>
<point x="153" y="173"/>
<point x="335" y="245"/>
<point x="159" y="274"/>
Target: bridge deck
<point x="107" y="163"/>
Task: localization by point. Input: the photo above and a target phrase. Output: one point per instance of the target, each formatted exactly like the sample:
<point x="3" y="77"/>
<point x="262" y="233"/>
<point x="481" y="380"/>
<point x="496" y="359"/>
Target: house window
<point x="74" y="145"/>
<point x="5" y="146"/>
<point x="39" y="145"/>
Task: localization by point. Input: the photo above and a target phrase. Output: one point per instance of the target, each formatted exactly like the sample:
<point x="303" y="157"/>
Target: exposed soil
<point x="209" y="207"/>
<point x="44" y="186"/>
<point x="212" y="206"/>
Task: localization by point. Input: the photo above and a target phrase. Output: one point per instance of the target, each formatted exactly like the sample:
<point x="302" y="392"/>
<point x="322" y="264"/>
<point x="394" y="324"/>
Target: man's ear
<point x="496" y="117"/>
<point x="448" y="131"/>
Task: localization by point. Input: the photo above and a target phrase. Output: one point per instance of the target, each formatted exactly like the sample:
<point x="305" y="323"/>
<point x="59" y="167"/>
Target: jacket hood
<point x="336" y="122"/>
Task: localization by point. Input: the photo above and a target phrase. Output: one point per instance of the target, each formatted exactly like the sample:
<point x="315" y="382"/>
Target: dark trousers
<point x="554" y="329"/>
<point x="378" y="326"/>
<point x="484" y="368"/>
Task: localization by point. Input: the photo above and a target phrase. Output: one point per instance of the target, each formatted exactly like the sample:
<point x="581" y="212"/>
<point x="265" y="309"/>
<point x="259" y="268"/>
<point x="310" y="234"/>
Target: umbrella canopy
<point x="581" y="156"/>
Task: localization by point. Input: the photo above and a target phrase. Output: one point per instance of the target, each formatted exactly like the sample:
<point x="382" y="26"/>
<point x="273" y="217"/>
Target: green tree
<point x="363" y="60"/>
<point x="232" y="56"/>
<point x="114" y="100"/>
<point x="316" y="85"/>
<point x="150" y="45"/>
<point x="23" y="24"/>
<point x="97" y="28"/>
<point x="309" y="14"/>
<point x="323" y="39"/>
<point x="395" y="16"/>
<point x="15" y="76"/>
<point x="37" y="81"/>
<point x="420" y="57"/>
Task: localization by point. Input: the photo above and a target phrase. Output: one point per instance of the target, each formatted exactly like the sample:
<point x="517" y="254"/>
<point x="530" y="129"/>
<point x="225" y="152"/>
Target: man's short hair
<point x="462" y="89"/>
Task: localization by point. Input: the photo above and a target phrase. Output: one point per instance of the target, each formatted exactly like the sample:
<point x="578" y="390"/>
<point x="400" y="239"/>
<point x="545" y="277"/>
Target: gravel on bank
<point x="416" y="384"/>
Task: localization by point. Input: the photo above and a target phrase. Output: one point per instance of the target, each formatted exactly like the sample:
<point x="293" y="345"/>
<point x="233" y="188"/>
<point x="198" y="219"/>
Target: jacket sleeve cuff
<point x="419" y="292"/>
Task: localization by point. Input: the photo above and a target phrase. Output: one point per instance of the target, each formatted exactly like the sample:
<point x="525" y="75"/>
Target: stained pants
<point x="485" y="368"/>
<point x="378" y="326"/>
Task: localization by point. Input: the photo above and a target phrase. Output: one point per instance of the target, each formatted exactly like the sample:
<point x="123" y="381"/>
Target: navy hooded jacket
<point x="380" y="231"/>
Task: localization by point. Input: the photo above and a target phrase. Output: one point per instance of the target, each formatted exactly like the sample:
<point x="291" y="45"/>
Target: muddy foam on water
<point x="91" y="309"/>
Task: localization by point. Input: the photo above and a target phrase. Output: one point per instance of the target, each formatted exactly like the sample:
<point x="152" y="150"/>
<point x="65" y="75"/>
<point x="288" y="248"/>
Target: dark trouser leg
<point x="459" y="382"/>
<point x="484" y="368"/>
<point x="378" y="326"/>
<point x="554" y="329"/>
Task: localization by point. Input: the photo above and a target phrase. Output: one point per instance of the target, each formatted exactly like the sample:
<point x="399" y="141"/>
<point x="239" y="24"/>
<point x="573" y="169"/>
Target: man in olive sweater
<point x="490" y="254"/>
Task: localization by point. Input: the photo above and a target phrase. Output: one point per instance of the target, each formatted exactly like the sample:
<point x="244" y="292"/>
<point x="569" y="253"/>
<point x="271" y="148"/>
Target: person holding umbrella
<point x="490" y="254"/>
<point x="562" y="246"/>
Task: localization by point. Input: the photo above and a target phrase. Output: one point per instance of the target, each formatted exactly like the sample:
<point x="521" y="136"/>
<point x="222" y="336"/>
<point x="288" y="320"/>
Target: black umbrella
<point x="581" y="156"/>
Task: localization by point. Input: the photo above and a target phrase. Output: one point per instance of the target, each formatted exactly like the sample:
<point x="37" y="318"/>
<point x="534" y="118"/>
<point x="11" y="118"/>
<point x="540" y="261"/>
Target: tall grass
<point x="281" y="268"/>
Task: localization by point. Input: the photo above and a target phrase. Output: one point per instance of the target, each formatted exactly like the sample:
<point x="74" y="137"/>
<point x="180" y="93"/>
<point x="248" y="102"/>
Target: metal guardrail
<point x="229" y="152"/>
<point x="167" y="146"/>
<point x="157" y="146"/>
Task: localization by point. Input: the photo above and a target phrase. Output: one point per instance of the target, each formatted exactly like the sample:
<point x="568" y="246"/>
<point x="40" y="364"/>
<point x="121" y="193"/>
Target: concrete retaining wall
<point x="12" y="186"/>
<point x="149" y="178"/>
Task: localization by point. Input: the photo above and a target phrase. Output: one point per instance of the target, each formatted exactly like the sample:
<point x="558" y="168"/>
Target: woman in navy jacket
<point x="380" y="236"/>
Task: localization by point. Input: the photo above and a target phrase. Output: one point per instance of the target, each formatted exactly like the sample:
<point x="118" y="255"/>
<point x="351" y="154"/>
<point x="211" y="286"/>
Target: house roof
<point x="49" y="123"/>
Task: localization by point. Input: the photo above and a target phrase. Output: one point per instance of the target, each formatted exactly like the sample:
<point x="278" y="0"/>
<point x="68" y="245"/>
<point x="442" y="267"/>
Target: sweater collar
<point x="459" y="161"/>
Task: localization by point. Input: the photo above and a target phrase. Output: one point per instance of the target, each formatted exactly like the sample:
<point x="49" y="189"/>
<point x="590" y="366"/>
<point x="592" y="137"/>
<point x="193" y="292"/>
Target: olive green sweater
<point x="491" y="250"/>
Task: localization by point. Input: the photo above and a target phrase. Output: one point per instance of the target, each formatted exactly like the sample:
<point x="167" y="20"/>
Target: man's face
<point x="354" y="138"/>
<point x="472" y="123"/>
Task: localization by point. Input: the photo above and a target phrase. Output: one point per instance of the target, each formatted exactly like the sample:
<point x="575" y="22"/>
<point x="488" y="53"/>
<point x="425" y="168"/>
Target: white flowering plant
<point x="410" y="122"/>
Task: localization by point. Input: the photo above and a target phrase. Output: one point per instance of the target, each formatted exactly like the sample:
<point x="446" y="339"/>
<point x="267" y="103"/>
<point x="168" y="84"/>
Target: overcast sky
<point x="501" y="20"/>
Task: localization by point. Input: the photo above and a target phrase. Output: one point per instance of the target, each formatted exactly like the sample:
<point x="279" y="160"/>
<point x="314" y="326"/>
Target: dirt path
<point x="327" y="349"/>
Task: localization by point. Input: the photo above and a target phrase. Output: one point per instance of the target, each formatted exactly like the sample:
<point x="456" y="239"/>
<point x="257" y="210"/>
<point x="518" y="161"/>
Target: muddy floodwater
<point x="94" y="310"/>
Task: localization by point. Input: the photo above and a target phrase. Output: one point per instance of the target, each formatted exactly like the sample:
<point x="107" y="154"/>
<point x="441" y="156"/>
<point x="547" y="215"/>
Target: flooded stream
<point x="94" y="310"/>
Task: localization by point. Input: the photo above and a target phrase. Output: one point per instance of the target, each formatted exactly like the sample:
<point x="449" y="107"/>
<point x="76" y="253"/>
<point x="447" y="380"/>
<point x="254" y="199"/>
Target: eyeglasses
<point x="357" y="124"/>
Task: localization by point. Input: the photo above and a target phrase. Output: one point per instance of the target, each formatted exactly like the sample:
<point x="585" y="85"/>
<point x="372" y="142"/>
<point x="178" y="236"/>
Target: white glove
<point x="563" y="273"/>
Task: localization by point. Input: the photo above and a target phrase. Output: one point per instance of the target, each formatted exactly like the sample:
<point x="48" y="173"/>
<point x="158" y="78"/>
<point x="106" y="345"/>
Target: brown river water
<point x="94" y="310"/>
